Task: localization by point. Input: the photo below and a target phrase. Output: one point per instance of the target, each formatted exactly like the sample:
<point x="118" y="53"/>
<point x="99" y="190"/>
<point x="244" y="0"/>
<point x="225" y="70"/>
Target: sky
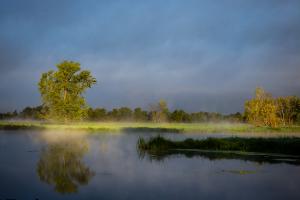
<point x="197" y="55"/>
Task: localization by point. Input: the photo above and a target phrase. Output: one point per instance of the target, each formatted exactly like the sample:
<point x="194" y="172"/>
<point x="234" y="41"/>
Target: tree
<point x="262" y="109"/>
<point x="125" y="114"/>
<point x="199" y="117"/>
<point x="97" y="114"/>
<point x="288" y="108"/>
<point x="36" y="113"/>
<point x="234" y="117"/>
<point x="120" y="114"/>
<point x="214" y="117"/>
<point x="8" y="115"/>
<point x="180" y="116"/>
<point x="62" y="90"/>
<point x="159" y="112"/>
<point x="140" y="115"/>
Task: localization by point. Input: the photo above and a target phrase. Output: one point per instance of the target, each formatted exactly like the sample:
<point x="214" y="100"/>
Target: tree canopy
<point x="62" y="91"/>
<point x="159" y="112"/>
<point x="264" y="110"/>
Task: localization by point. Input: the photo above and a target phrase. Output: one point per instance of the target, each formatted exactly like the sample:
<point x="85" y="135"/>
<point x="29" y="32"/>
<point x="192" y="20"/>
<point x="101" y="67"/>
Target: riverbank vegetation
<point x="262" y="110"/>
<point x="260" y="158"/>
<point x="227" y="128"/>
<point x="279" y="145"/>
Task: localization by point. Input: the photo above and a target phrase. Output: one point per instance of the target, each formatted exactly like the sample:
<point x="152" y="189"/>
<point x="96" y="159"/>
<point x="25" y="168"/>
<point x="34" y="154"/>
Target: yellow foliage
<point x="287" y="109"/>
<point x="262" y="109"/>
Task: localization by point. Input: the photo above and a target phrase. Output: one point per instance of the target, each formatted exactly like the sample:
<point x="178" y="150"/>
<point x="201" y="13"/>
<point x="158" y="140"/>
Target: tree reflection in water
<point x="61" y="165"/>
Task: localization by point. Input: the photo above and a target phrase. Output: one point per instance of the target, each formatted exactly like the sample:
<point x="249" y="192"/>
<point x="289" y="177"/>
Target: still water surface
<point x="57" y="165"/>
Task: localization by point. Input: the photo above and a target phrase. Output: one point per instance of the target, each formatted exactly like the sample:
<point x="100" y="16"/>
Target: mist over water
<point x="66" y="165"/>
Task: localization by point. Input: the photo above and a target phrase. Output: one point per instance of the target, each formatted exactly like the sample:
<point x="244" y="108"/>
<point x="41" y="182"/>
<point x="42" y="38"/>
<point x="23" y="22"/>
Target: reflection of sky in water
<point x="121" y="174"/>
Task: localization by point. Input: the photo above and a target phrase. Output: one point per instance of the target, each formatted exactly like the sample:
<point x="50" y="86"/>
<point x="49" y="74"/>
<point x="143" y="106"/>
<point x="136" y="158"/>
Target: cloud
<point x="199" y="55"/>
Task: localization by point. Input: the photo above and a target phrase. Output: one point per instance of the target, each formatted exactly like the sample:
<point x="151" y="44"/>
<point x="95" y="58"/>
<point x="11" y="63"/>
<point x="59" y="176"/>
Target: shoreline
<point x="200" y="128"/>
<point x="163" y="146"/>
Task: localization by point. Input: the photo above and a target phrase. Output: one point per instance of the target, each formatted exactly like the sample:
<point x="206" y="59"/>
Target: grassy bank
<point x="154" y="127"/>
<point x="281" y="145"/>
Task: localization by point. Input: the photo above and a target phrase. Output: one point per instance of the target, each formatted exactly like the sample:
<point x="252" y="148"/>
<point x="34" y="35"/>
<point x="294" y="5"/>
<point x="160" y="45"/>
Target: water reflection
<point x="219" y="155"/>
<point x="61" y="164"/>
<point x="65" y="162"/>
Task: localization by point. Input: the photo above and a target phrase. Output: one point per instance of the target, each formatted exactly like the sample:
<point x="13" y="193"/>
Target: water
<point x="56" y="165"/>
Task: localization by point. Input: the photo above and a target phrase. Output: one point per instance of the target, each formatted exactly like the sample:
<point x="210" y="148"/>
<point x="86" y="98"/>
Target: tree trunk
<point x="65" y="94"/>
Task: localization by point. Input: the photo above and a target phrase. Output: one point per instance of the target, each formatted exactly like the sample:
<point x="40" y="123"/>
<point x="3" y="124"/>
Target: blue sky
<point x="198" y="55"/>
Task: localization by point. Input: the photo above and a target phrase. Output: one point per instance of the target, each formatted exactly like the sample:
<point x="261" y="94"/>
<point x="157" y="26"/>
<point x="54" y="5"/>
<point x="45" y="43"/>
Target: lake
<point x="73" y="165"/>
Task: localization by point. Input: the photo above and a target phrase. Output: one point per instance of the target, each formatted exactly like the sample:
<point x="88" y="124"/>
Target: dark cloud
<point x="199" y="55"/>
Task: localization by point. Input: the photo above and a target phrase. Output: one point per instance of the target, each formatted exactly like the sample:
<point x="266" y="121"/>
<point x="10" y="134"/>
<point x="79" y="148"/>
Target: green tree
<point x="97" y="114"/>
<point x="62" y="90"/>
<point x="140" y="115"/>
<point x="36" y="113"/>
<point x="199" y="117"/>
<point x="234" y="117"/>
<point x="180" y="116"/>
<point x="120" y="114"/>
<point x="159" y="112"/>
<point x="214" y="117"/>
<point x="9" y="115"/>
<point x="125" y="114"/>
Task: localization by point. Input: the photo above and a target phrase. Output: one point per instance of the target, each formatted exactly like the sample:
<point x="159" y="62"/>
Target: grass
<point x="233" y="128"/>
<point x="240" y="172"/>
<point x="279" y="145"/>
<point x="259" y="158"/>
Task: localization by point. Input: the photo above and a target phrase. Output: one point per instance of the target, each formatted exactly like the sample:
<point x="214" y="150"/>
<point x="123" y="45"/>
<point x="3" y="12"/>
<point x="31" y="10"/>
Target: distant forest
<point x="261" y="110"/>
<point x="125" y="114"/>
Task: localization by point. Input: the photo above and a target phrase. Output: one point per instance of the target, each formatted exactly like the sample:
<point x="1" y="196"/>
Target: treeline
<point x="157" y="113"/>
<point x="140" y="115"/>
<point x="34" y="113"/>
<point x="262" y="110"/>
<point x="265" y="110"/>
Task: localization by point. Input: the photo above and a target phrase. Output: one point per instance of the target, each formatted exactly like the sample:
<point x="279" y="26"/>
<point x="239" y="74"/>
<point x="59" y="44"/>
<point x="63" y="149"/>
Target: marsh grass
<point x="259" y="158"/>
<point x="239" y="172"/>
<point x="280" y="145"/>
